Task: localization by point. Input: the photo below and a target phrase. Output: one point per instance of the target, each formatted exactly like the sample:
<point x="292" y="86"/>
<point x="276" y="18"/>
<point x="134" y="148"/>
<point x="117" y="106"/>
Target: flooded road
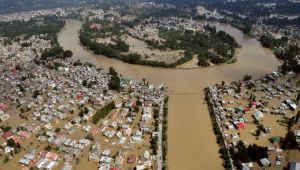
<point x="191" y="142"/>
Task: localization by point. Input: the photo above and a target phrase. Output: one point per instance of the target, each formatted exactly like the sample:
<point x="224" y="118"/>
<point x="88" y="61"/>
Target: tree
<point x="48" y="148"/>
<point x="144" y="81"/>
<point x="114" y="83"/>
<point x="11" y="143"/>
<point x="297" y="116"/>
<point x="223" y="83"/>
<point x="36" y="93"/>
<point x="239" y="90"/>
<point x="112" y="71"/>
<point x="57" y="129"/>
<point x="289" y="141"/>
<point x="256" y="152"/>
<point x="291" y="123"/>
<point x="6" y="159"/>
<point x="90" y="137"/>
<point x="258" y="132"/>
<point x="67" y="54"/>
<point x="247" y="77"/>
<point x="84" y="83"/>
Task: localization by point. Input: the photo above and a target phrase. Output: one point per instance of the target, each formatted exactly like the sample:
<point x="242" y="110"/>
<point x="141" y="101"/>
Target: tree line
<point x="116" y="51"/>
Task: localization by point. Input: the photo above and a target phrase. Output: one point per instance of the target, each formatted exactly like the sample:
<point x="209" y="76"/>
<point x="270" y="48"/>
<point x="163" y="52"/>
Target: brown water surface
<point x="191" y="142"/>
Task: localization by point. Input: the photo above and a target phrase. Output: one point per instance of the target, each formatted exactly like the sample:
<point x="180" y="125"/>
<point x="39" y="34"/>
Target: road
<point x="159" y="142"/>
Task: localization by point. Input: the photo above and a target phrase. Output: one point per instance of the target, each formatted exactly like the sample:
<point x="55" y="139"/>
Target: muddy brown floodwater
<point x="191" y="142"/>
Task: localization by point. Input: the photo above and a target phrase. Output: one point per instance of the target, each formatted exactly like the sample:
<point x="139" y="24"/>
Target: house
<point x="94" y="131"/>
<point x="140" y="167"/>
<point x="239" y="125"/>
<point x="294" y="165"/>
<point x="297" y="135"/>
<point x="146" y="155"/>
<point x="17" y="139"/>
<point x="113" y="114"/>
<point x="264" y="162"/>
<point x="8" y="135"/>
<point x="3" y="106"/>
<point x="276" y="139"/>
<point x="246" y="109"/>
<point x="132" y="159"/>
<point x="4" y="117"/>
<point x="24" y="134"/>
<point x="66" y="166"/>
<point x="291" y="104"/>
<point x="25" y="161"/>
<point x="52" y="156"/>
<point x="258" y="115"/>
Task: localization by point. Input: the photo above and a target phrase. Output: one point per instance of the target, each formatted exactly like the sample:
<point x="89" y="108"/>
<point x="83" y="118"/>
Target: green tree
<point x="289" y="141"/>
<point x="67" y="54"/>
<point x="11" y="143"/>
<point x="112" y="71"/>
<point x="48" y="148"/>
<point x="6" y="159"/>
<point x="84" y="83"/>
<point x="297" y="116"/>
<point x="114" y="83"/>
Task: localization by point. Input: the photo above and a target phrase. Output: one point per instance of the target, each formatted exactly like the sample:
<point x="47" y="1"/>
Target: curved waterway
<point x="191" y="142"/>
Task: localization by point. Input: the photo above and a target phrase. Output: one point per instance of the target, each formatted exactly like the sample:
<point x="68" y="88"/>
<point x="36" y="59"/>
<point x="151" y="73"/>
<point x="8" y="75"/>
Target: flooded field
<point x="190" y="137"/>
<point x="140" y="47"/>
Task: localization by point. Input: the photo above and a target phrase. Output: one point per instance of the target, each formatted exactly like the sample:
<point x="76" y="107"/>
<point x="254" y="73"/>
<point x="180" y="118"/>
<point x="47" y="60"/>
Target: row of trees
<point x="50" y="25"/>
<point x="103" y="112"/>
<point x="224" y="152"/>
<point x="117" y="50"/>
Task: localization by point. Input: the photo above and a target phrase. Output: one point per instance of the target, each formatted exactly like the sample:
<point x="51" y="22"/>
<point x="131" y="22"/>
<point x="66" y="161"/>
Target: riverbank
<point x="189" y="128"/>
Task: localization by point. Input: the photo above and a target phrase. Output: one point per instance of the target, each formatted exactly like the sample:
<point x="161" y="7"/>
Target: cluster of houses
<point x="26" y="16"/>
<point x="238" y="104"/>
<point x="292" y="32"/>
<point x="61" y="102"/>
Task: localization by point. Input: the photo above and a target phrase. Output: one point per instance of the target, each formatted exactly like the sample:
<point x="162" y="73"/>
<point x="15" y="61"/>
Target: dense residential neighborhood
<point x="86" y="84"/>
<point x="54" y="112"/>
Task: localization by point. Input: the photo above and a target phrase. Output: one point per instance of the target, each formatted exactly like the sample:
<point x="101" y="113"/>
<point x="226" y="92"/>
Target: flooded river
<point x="191" y="142"/>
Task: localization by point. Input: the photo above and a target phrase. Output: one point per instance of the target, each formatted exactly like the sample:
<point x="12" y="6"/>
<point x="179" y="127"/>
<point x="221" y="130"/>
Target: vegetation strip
<point x="227" y="161"/>
<point x="164" y="134"/>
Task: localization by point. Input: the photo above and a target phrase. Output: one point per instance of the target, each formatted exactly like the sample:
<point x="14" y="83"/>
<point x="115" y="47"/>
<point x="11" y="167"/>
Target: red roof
<point x="52" y="155"/>
<point x="253" y="103"/>
<point x="24" y="134"/>
<point x="246" y="109"/>
<point x="113" y="114"/>
<point x="79" y="97"/>
<point x="13" y="71"/>
<point x="132" y="159"/>
<point x="133" y="103"/>
<point x="17" y="139"/>
<point x="3" y="106"/>
<point x="94" y="131"/>
<point x="239" y="125"/>
<point x="114" y="169"/>
<point x="8" y="135"/>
